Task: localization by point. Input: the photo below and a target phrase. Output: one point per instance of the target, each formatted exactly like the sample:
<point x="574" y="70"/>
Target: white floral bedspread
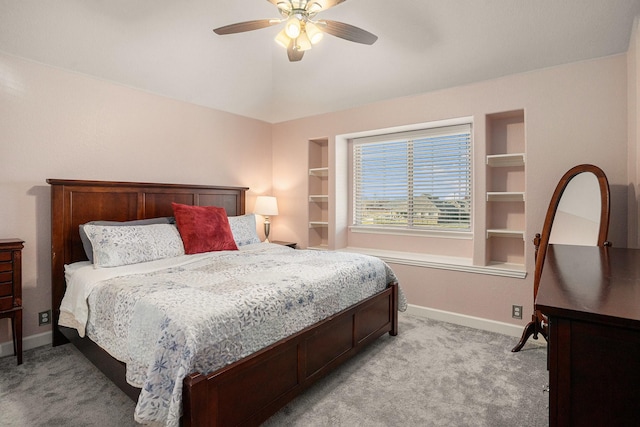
<point x="205" y="314"/>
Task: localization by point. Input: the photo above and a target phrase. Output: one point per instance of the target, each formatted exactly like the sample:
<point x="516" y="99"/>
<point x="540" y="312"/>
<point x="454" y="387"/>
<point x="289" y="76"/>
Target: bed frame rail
<point x="249" y="391"/>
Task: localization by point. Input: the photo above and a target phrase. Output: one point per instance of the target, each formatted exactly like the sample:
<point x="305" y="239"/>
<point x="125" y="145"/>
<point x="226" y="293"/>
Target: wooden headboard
<point x="75" y="202"/>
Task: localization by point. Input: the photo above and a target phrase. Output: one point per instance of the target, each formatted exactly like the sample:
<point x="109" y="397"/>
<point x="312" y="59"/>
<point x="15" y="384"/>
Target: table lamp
<point x="266" y="206"/>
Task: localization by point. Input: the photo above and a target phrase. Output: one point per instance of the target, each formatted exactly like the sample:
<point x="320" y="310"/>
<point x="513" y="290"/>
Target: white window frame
<point x="433" y="129"/>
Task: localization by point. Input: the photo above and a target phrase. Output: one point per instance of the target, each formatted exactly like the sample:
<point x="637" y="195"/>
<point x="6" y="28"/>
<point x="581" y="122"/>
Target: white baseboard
<point x="471" y="321"/>
<point x="32" y="341"/>
<point x="38" y="340"/>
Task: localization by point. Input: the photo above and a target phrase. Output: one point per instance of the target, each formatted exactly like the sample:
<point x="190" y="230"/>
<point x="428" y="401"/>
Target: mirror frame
<point x="541" y="241"/>
<point x="538" y="323"/>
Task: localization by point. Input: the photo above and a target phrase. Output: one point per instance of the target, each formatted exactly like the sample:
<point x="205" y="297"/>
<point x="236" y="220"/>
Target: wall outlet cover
<point x="44" y="318"/>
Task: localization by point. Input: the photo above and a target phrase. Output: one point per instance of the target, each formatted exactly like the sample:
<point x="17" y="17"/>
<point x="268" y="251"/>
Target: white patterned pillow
<point x="121" y="245"/>
<point x="243" y="228"/>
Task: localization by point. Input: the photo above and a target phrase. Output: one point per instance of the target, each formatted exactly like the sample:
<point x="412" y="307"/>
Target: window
<point x="418" y="180"/>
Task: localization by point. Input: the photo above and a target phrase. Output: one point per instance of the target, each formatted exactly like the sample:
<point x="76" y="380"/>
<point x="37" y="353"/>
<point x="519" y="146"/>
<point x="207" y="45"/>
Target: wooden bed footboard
<point x="250" y="390"/>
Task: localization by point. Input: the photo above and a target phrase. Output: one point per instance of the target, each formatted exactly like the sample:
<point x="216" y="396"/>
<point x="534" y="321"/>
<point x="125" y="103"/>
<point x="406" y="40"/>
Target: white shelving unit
<point x="313" y="224"/>
<point x="505" y="232"/>
<point x="318" y="194"/>
<point x="506" y="196"/>
<point x="323" y="171"/>
<point x="319" y="198"/>
<point x="505" y="160"/>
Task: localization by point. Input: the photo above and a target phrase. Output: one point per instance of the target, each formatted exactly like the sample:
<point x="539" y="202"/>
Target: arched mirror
<point x="578" y="214"/>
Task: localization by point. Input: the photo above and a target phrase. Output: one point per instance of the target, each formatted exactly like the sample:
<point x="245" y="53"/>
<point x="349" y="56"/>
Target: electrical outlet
<point x="44" y="317"/>
<point x="516" y="311"/>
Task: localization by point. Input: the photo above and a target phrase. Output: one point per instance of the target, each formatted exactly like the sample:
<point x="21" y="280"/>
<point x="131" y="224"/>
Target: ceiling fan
<point x="301" y="30"/>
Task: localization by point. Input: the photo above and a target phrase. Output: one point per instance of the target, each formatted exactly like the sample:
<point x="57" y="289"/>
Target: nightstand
<point x="279" y="242"/>
<point x="11" y="289"/>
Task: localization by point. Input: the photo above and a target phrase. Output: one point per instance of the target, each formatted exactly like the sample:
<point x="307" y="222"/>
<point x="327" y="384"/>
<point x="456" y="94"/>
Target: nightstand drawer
<point x="6" y="266"/>
<point x="5" y="256"/>
<point x="6" y="289"/>
<point x="6" y="277"/>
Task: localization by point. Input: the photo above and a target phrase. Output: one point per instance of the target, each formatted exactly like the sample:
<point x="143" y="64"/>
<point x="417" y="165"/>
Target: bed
<point x="246" y="391"/>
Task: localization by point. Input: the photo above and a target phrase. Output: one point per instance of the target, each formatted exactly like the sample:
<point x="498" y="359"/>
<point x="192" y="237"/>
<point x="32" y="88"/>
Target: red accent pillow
<point x="203" y="228"/>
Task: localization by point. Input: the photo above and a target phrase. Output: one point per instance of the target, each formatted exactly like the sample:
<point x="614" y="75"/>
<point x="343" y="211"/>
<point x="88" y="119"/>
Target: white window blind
<point x="414" y="180"/>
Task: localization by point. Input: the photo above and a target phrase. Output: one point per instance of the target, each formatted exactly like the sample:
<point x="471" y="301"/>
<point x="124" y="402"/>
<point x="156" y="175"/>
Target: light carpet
<point x="431" y="374"/>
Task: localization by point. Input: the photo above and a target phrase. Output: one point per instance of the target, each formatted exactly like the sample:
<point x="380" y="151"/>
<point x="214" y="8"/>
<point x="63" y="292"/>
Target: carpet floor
<point x="431" y="374"/>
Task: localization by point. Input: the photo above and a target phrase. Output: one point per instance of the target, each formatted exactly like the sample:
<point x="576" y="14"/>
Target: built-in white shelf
<point x="319" y="171"/>
<point x="319" y="198"/>
<point x="505" y="247"/>
<point x="506" y="160"/>
<point x="504" y="232"/>
<point x="505" y="196"/>
<point x="314" y="224"/>
<point x="318" y="194"/>
<point x="319" y="248"/>
<point x="518" y="270"/>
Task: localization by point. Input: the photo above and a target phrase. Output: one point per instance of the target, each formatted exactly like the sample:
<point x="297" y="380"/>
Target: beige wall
<point x="574" y="114"/>
<point x="58" y="124"/>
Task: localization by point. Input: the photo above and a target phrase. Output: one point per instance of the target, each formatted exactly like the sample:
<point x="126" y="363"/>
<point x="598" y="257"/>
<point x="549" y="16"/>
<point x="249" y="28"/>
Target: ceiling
<point x="168" y="47"/>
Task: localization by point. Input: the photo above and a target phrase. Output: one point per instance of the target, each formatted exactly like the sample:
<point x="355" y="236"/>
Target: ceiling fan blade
<point x="294" y="55"/>
<point x="241" y="27"/>
<point x="347" y="32"/>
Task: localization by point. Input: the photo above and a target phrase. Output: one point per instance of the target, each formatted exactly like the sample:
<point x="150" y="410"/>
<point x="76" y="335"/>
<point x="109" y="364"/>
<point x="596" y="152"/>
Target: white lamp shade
<point x="283" y="39"/>
<point x="302" y="42"/>
<point x="292" y="27"/>
<point x="266" y="205"/>
<point x="313" y="32"/>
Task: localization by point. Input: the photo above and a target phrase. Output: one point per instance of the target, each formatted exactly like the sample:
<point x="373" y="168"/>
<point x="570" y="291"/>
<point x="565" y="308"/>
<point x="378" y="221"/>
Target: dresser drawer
<point x="6" y="289"/>
<point x="11" y="291"/>
<point x="6" y="276"/>
<point x="6" y="303"/>
<point x="10" y="277"/>
<point x="6" y="266"/>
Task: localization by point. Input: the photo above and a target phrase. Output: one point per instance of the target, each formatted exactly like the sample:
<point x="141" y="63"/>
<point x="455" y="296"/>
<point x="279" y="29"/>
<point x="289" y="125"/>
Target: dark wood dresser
<point x="592" y="298"/>
<point x="11" y="289"/>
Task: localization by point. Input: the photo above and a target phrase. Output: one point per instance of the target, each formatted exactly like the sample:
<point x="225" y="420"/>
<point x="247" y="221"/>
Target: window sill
<point x="443" y="262"/>
<point x="445" y="234"/>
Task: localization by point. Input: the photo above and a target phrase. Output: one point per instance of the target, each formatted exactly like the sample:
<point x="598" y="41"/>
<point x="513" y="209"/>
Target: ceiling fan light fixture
<point x="284" y="6"/>
<point x="313" y="8"/>
<point x="293" y="27"/>
<point x="302" y="42"/>
<point x="313" y="32"/>
<point x="301" y="30"/>
<point x="283" y="39"/>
